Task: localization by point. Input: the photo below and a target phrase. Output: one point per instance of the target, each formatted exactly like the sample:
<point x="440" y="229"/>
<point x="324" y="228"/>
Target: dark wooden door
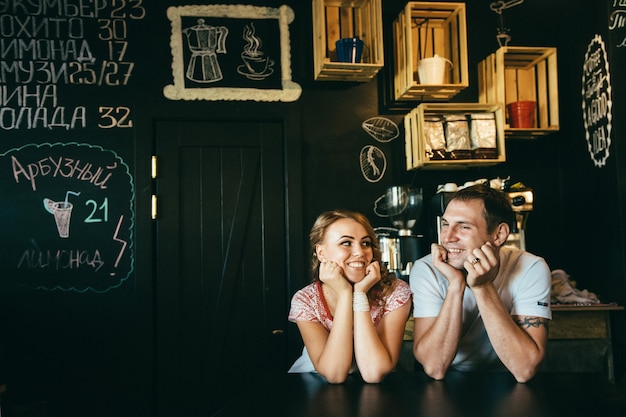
<point x="220" y="261"/>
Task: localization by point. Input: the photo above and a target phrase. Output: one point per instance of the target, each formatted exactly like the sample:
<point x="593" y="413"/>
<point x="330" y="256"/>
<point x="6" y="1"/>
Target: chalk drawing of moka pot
<point x="62" y="212"/>
<point x="205" y="42"/>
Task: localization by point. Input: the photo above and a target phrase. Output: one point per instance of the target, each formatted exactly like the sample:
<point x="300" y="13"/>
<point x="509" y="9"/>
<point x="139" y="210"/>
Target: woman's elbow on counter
<point x="336" y="378"/>
<point x="334" y="374"/>
<point x="373" y="377"/>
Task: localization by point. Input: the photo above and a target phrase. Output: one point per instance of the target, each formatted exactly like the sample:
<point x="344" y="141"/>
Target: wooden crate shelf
<point x="515" y="73"/>
<point x="423" y="29"/>
<point x="336" y="19"/>
<point x="418" y="154"/>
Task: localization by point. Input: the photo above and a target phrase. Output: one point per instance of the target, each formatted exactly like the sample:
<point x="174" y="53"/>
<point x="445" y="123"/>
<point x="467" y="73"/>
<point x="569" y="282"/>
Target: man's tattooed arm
<point x="528" y="322"/>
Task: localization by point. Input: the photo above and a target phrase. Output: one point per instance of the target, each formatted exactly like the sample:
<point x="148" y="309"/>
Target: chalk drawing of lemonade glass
<point x="256" y="65"/>
<point x="205" y="42"/>
<point x="62" y="212"/>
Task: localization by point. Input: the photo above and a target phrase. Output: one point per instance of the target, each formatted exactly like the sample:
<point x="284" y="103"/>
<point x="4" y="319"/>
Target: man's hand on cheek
<point x="482" y="265"/>
<point x="440" y="261"/>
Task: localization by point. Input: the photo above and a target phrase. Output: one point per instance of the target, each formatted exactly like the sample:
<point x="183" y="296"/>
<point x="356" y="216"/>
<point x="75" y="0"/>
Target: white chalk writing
<point x="48" y="44"/>
<point x="617" y="21"/>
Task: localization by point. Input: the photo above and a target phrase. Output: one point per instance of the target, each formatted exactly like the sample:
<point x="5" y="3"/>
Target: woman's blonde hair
<point x="318" y="233"/>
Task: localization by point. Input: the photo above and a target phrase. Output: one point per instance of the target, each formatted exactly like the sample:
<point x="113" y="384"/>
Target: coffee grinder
<point x="400" y="245"/>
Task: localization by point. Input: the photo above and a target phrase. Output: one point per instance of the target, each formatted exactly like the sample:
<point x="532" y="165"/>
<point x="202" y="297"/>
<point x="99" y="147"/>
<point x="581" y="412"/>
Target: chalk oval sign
<point x="67" y="218"/>
<point x="597" y="103"/>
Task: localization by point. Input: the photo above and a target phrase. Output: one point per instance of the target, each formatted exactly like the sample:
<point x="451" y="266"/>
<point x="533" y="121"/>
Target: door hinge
<point x="153" y="174"/>
<point x="153" y="210"/>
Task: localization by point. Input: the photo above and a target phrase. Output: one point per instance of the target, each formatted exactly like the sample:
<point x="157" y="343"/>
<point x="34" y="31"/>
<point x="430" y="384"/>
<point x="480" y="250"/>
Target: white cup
<point x="432" y="70"/>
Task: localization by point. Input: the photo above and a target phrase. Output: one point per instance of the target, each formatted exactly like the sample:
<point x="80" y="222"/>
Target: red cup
<point x="521" y="114"/>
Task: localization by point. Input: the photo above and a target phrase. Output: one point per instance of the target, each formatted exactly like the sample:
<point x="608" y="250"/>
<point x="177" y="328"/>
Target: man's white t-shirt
<point x="523" y="283"/>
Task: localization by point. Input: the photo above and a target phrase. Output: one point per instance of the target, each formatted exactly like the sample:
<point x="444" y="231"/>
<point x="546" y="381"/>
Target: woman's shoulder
<point x="401" y="291"/>
<point x="312" y="287"/>
<point x="400" y="285"/>
<point x="307" y="304"/>
<point x="308" y="292"/>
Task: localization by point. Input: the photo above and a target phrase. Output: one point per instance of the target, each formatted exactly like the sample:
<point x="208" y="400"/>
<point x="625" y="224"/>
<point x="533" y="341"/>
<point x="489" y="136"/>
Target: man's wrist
<point x="457" y="287"/>
<point x="483" y="288"/>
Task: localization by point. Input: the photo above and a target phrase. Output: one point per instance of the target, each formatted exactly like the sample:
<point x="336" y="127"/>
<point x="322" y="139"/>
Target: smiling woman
<point x="352" y="316"/>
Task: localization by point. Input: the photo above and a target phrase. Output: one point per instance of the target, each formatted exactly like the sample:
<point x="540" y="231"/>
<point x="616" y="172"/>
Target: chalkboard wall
<point x="81" y="86"/>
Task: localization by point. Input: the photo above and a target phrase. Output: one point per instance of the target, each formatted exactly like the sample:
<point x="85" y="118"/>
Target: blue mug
<point x="349" y="49"/>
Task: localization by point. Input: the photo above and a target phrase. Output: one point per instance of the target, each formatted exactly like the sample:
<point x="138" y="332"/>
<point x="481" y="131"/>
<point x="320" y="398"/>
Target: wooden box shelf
<point x="336" y="19"/>
<point x="418" y="152"/>
<point x="517" y="73"/>
<point x="581" y="328"/>
<point x="422" y="30"/>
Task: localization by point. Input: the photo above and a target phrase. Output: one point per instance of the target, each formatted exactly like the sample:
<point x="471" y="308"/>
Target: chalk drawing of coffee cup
<point x="257" y="65"/>
<point x="62" y="211"/>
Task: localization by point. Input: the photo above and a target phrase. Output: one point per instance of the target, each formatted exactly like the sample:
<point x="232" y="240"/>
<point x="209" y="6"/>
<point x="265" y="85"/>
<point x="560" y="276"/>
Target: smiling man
<point x="480" y="306"/>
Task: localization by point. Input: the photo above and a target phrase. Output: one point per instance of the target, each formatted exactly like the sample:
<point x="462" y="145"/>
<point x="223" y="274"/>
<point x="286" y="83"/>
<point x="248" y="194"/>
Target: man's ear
<point x="501" y="234"/>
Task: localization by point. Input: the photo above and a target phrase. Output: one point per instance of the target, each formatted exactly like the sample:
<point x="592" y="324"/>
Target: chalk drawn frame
<point x="108" y="280"/>
<point x="290" y="90"/>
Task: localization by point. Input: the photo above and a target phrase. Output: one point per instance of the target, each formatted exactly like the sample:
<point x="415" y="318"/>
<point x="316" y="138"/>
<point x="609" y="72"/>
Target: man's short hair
<point x="497" y="204"/>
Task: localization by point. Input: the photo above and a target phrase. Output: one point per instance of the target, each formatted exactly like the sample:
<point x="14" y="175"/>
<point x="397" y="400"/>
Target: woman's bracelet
<point x="360" y="301"/>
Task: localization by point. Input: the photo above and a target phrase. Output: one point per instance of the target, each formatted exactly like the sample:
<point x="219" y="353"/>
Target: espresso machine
<point x="400" y="245"/>
<point x="521" y="199"/>
<point x="438" y="204"/>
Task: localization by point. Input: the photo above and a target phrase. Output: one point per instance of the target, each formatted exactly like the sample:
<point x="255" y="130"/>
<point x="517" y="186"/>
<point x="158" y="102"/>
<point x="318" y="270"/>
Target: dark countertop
<point x="415" y="394"/>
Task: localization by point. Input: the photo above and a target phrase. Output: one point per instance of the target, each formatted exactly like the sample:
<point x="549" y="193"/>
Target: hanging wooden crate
<point x="520" y="73"/>
<point x="422" y="30"/>
<point x="420" y="152"/>
<point x="337" y="19"/>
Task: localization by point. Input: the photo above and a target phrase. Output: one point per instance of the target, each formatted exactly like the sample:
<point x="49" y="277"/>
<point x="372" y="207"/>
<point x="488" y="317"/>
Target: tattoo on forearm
<point x="528" y="322"/>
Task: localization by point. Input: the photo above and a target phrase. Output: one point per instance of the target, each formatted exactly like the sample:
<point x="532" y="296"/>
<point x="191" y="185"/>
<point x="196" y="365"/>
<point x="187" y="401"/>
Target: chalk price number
<point x="103" y="209"/>
<point x="118" y="116"/>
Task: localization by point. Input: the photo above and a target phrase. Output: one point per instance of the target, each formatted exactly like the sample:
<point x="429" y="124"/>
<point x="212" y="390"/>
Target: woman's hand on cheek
<point x="372" y="277"/>
<point x="331" y="274"/>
